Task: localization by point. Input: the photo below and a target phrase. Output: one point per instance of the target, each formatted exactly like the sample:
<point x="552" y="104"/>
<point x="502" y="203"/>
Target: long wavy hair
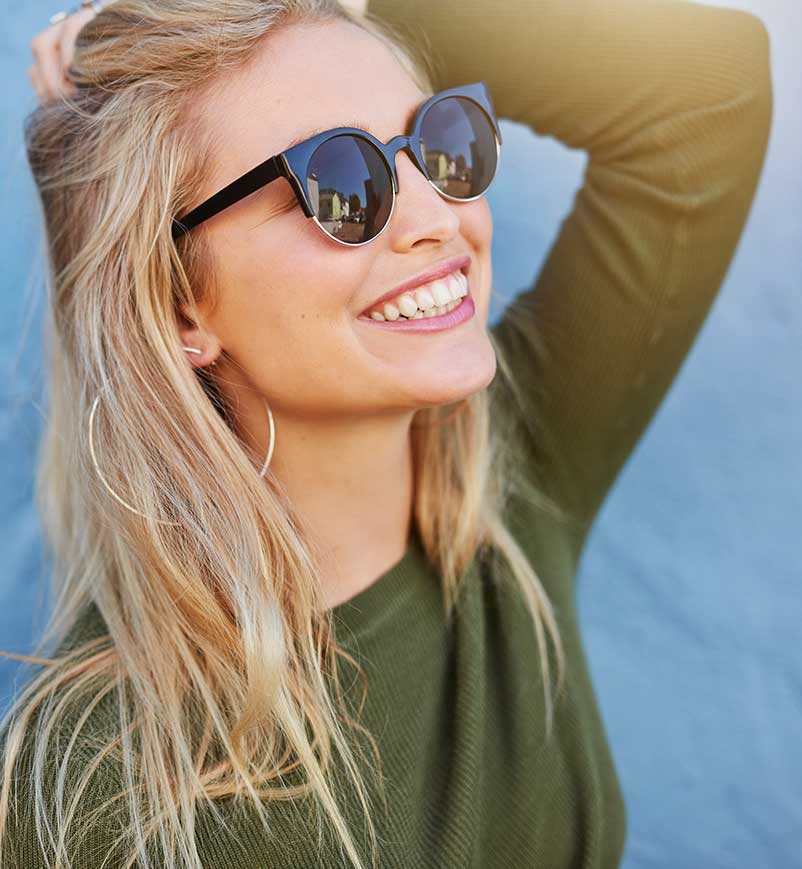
<point x="218" y="665"/>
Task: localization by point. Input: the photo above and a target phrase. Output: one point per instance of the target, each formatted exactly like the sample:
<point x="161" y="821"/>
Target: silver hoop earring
<point x="272" y="438"/>
<point x="133" y="509"/>
<point x="269" y="418"/>
<point x="103" y="479"/>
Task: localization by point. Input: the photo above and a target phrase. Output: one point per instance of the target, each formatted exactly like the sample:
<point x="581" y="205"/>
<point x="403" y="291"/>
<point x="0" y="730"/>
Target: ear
<point x="197" y="337"/>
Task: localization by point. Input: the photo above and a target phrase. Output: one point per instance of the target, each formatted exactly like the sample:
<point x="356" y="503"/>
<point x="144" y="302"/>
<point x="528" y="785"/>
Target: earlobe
<point x="200" y="347"/>
<point x="201" y="356"/>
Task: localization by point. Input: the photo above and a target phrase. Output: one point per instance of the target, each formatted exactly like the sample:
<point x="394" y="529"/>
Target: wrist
<point x="95" y="5"/>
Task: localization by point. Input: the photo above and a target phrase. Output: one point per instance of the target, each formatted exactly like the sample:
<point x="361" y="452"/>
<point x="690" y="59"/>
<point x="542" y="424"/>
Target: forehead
<point x="305" y="78"/>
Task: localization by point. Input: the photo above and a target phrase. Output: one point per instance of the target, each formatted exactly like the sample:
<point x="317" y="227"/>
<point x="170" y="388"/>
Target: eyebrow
<point x="360" y="125"/>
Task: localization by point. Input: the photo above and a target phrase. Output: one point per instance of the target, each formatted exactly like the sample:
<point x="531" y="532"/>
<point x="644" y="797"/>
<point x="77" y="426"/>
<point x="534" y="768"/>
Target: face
<point x="288" y="297"/>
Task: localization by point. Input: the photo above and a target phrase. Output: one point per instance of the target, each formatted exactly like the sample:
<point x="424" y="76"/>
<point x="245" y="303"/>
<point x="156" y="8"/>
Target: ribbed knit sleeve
<point x="672" y="101"/>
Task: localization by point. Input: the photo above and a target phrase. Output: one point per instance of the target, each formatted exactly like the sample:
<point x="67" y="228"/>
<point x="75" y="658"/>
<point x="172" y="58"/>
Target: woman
<point x="315" y="544"/>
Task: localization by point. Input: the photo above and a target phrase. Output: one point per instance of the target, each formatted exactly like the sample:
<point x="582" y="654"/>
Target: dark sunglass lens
<point x="350" y="189"/>
<point x="458" y="144"/>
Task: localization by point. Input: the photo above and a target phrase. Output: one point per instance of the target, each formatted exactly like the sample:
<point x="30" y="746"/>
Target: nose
<point x="413" y="180"/>
<point x="420" y="211"/>
<point x="402" y="145"/>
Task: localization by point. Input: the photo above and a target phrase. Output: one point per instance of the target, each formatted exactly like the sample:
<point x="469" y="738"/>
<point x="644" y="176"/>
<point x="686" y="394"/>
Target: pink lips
<point x="464" y="311"/>
<point x="440" y="271"/>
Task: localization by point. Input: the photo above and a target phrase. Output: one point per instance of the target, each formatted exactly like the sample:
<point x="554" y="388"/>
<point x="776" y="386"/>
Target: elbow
<point x="760" y="90"/>
<point x="754" y="87"/>
<point x="748" y="101"/>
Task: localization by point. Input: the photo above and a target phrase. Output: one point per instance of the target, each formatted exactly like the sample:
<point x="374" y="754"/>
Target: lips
<point x="439" y="271"/>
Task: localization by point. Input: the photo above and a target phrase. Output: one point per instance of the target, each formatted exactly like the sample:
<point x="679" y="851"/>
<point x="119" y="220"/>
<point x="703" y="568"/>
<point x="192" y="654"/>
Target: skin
<point x="53" y="47"/>
<point x="343" y="392"/>
<point x="52" y="50"/>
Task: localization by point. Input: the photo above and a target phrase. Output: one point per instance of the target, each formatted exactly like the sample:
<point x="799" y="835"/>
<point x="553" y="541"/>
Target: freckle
<point x="303" y="316"/>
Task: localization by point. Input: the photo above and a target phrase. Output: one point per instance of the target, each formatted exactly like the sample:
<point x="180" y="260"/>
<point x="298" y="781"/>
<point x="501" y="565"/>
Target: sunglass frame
<point x="293" y="163"/>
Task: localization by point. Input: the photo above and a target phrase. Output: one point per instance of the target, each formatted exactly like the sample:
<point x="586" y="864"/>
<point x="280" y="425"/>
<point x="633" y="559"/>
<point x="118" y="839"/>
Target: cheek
<point x="283" y="291"/>
<point x="278" y="270"/>
<point x="477" y="228"/>
<point x="478" y="224"/>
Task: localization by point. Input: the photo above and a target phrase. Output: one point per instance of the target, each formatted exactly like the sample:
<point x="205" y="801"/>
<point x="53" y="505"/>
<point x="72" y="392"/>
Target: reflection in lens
<point x="458" y="144"/>
<point x="350" y="188"/>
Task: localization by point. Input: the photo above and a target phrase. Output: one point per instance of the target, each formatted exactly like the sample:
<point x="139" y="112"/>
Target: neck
<point x="351" y="483"/>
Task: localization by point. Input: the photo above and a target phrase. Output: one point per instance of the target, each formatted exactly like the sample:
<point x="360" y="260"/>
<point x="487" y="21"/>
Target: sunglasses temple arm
<point x="251" y="181"/>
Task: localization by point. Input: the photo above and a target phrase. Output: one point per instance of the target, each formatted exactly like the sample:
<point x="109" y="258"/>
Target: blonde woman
<point x="315" y="526"/>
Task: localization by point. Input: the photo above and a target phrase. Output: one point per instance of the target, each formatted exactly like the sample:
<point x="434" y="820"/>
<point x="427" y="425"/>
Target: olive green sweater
<point x="672" y="100"/>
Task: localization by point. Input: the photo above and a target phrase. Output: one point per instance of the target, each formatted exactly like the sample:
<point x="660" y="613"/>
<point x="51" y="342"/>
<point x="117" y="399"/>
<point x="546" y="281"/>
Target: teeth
<point x="424" y="299"/>
<point x="455" y="286"/>
<point x="459" y="285"/>
<point x="440" y="292"/>
<point x="390" y="312"/>
<point x="407" y="305"/>
<point x="438" y="298"/>
<point x="437" y="311"/>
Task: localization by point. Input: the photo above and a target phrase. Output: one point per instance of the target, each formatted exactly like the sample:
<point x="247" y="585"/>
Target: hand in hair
<point x="52" y="50"/>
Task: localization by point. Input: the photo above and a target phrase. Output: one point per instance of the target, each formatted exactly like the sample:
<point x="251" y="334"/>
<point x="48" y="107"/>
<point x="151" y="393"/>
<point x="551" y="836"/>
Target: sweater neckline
<point x="410" y="582"/>
<point x="386" y="595"/>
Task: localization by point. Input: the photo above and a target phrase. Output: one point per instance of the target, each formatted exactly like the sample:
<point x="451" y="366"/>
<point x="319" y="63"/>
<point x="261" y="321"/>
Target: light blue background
<point x="689" y="589"/>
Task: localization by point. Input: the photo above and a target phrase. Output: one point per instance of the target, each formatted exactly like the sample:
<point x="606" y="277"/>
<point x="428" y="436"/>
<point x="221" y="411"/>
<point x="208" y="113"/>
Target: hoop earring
<point x="133" y="509"/>
<point x="103" y="479"/>
<point x="272" y="444"/>
<point x="269" y="418"/>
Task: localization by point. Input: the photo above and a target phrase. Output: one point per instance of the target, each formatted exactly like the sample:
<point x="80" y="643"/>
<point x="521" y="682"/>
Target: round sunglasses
<point x="345" y="179"/>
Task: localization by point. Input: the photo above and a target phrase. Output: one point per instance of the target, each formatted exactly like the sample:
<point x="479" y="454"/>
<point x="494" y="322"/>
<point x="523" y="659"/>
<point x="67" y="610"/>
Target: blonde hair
<point x="218" y="576"/>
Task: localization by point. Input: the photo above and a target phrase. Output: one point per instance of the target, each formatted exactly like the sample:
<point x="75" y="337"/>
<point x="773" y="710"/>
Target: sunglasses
<point x="345" y="179"/>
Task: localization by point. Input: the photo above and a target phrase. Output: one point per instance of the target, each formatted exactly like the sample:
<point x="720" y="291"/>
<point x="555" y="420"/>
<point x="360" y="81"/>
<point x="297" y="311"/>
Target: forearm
<point x="672" y="100"/>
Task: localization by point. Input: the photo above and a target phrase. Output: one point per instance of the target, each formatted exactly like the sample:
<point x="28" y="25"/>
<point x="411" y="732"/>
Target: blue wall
<point x="689" y="589"/>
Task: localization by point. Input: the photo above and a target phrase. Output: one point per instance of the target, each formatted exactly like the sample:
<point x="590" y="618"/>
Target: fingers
<point x="71" y="26"/>
<point x="44" y="49"/>
<point x="52" y="50"/>
<point x="33" y="75"/>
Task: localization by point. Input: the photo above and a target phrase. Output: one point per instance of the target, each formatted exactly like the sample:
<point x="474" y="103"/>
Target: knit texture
<point x="672" y="100"/>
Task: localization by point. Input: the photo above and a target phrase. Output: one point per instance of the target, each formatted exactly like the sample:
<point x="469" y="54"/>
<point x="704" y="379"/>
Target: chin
<point x="458" y="385"/>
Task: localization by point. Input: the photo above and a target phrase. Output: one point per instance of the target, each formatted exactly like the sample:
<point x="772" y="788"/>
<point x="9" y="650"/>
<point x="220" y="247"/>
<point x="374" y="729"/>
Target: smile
<point x="431" y="302"/>
<point x="457" y="312"/>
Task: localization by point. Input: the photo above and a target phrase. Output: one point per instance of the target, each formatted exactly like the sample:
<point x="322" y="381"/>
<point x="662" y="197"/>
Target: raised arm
<point x="672" y="100"/>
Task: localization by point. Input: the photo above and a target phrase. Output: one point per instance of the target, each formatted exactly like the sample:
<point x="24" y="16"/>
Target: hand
<point x="52" y="50"/>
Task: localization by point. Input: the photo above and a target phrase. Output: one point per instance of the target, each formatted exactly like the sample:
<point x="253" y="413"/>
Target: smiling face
<point x="288" y="297"/>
